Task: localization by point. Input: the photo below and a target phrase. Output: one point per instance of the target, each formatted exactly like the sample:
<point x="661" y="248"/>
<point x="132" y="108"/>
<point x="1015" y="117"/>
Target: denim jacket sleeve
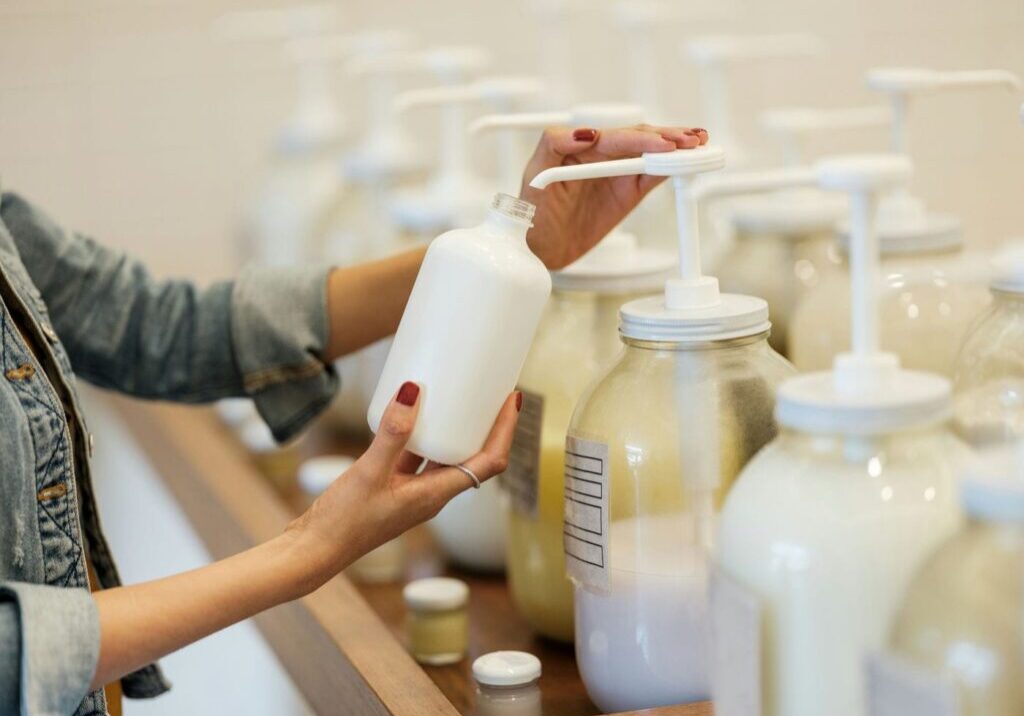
<point x="262" y="335"/>
<point x="44" y="670"/>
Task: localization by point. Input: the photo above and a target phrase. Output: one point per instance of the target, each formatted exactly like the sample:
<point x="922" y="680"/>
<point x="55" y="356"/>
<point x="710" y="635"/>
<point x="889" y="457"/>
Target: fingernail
<point x="519" y="400"/>
<point x="584" y="135"/>
<point x="699" y="130"/>
<point x="408" y="393"/>
<point x="692" y="133"/>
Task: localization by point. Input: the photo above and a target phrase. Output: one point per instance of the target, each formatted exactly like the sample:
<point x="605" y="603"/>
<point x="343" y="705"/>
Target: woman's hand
<point x="573" y="216"/>
<point x="381" y="496"/>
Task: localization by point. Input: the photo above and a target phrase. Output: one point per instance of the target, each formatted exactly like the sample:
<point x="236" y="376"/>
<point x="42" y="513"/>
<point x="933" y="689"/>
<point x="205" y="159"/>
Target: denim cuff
<point x="49" y="646"/>
<point x="279" y="326"/>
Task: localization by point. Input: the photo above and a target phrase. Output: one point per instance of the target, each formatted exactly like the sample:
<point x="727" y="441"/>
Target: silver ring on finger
<point x="472" y="475"/>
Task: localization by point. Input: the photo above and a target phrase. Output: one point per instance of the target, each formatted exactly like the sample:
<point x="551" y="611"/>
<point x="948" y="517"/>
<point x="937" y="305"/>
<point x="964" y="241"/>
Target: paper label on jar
<point x="736" y="639"/>
<point x="899" y="688"/>
<point x="586" y="511"/>
<point x="522" y="477"/>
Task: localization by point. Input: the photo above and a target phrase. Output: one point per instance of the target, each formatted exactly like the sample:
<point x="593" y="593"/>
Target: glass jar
<point x="928" y="301"/>
<point x="639" y="556"/>
<point x="576" y="339"/>
<point x="778" y="267"/>
<point x="962" y="623"/>
<point x="438" y="622"/>
<point x="506" y="684"/>
<point x="824" y="531"/>
<point x="988" y="380"/>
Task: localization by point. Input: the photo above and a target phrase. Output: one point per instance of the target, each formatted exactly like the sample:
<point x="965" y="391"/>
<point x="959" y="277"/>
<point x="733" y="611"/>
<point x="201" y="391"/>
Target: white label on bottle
<point x="899" y="688"/>
<point x="736" y="639"/>
<point x="522" y="477"/>
<point x="586" y="511"/>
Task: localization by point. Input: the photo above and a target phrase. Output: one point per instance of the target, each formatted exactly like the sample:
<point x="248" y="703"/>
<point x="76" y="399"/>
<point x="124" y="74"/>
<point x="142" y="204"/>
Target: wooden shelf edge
<point x="332" y="644"/>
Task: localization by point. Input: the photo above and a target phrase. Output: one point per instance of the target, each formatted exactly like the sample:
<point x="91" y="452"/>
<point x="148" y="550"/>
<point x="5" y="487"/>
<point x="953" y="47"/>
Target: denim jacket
<point x="71" y="308"/>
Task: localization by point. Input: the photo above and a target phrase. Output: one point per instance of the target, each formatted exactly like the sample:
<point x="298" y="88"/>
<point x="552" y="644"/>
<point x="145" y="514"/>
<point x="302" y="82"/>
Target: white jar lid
<point x="1008" y="266"/>
<point x="435" y="594"/>
<point x="935" y="232"/>
<point x="734" y="316"/>
<point x="789" y="213"/>
<point x="992" y="486"/>
<point x="506" y="668"/>
<point x="317" y="474"/>
<point x="899" y="400"/>
<point x="618" y="264"/>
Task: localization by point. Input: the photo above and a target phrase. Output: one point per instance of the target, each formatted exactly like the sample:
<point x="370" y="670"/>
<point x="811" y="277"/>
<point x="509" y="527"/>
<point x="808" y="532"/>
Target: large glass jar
<point x="666" y="429"/>
<point x="928" y="301"/>
<point x="783" y="243"/>
<point x="988" y="380"/>
<point x="962" y="622"/>
<point x="577" y="337"/>
<point x="824" y="531"/>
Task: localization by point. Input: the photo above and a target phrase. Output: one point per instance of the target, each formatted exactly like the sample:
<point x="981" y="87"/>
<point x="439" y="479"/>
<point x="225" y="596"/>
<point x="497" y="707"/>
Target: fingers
<point x="684" y="137"/>
<point x="444" y="483"/>
<point x="396" y="425"/>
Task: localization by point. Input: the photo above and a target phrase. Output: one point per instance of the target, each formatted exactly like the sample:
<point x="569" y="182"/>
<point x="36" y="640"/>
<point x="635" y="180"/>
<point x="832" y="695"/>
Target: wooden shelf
<point x="344" y="645"/>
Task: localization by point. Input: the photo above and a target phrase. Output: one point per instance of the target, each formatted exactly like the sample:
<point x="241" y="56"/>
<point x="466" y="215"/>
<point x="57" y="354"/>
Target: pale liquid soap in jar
<point x="780" y="264"/>
<point x="577" y="338"/>
<point x="961" y="625"/>
<point x="928" y="303"/>
<point x="642" y="635"/>
<point x="826" y="532"/>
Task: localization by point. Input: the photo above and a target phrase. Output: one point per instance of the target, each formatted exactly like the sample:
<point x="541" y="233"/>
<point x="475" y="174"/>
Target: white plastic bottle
<point x="651" y="449"/>
<point x="933" y="288"/>
<point x="825" y="526"/>
<point x="466" y="330"/>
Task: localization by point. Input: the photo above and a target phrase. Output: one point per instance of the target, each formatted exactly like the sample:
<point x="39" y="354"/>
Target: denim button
<point x="51" y="335"/>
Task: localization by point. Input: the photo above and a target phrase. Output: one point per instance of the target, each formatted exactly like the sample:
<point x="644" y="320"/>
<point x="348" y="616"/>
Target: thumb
<point x="394" y="431"/>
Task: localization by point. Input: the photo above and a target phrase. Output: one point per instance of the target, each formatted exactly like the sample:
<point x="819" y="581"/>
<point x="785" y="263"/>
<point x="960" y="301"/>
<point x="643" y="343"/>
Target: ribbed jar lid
<point x="899" y="400"/>
<point x="435" y="594"/>
<point x="792" y="213"/>
<point x="734" y="316"/>
<point x="506" y="668"/>
<point x="992" y="486"/>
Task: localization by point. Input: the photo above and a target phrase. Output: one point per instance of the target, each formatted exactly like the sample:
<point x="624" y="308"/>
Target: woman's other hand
<point x="381" y="496"/>
<point x="573" y="216"/>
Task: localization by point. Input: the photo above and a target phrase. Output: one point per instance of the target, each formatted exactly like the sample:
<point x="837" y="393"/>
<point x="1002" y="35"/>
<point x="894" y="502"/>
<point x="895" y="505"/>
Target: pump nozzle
<point x="900" y="83"/>
<point x="713" y="54"/>
<point x="692" y="289"/>
<point x="791" y="124"/>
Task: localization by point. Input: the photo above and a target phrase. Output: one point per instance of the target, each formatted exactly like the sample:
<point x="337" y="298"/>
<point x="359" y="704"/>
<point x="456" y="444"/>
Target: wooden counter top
<point x="343" y="646"/>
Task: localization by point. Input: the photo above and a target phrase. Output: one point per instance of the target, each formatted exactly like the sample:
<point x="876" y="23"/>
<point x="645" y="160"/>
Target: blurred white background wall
<point x="133" y="121"/>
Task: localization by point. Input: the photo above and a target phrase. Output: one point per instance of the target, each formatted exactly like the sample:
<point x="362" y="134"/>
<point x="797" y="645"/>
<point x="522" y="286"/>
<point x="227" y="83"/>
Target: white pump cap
<point x="1008" y="267"/>
<point x="454" y="195"/>
<point x="692" y="309"/>
<point x="714" y="54"/>
<point x="866" y="393"/>
<point x="992" y="487"/>
<point x="617" y="265"/>
<point x="506" y="668"/>
<point x="904" y="223"/>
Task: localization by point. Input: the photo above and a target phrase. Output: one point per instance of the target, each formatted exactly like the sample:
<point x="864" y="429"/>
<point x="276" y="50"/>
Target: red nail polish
<point x="408" y="393"/>
<point x="519" y="400"/>
<point x="584" y="135"/>
<point x="692" y="133"/>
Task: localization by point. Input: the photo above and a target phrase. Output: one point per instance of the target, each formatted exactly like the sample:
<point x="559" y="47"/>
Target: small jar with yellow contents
<point x="438" y="622"/>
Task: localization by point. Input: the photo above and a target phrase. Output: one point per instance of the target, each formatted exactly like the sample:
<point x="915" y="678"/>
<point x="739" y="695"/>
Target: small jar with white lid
<point x="506" y="684"/>
<point x="279" y="463"/>
<point x="383" y="565"/>
<point x="438" y="620"/>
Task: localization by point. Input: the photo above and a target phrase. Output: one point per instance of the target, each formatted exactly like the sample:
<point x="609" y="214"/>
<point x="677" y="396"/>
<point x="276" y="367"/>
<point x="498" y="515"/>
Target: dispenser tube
<point x="597" y="170"/>
<point x="864" y="270"/>
<point x="686" y="220"/>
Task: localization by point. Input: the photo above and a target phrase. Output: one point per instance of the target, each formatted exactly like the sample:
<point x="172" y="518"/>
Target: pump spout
<point x="595" y="170"/>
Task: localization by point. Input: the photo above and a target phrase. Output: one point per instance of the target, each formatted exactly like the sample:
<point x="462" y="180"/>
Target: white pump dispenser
<point x="714" y="55"/>
<point x="664" y="430"/>
<point x="903" y="218"/>
<point x="865" y="445"/>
